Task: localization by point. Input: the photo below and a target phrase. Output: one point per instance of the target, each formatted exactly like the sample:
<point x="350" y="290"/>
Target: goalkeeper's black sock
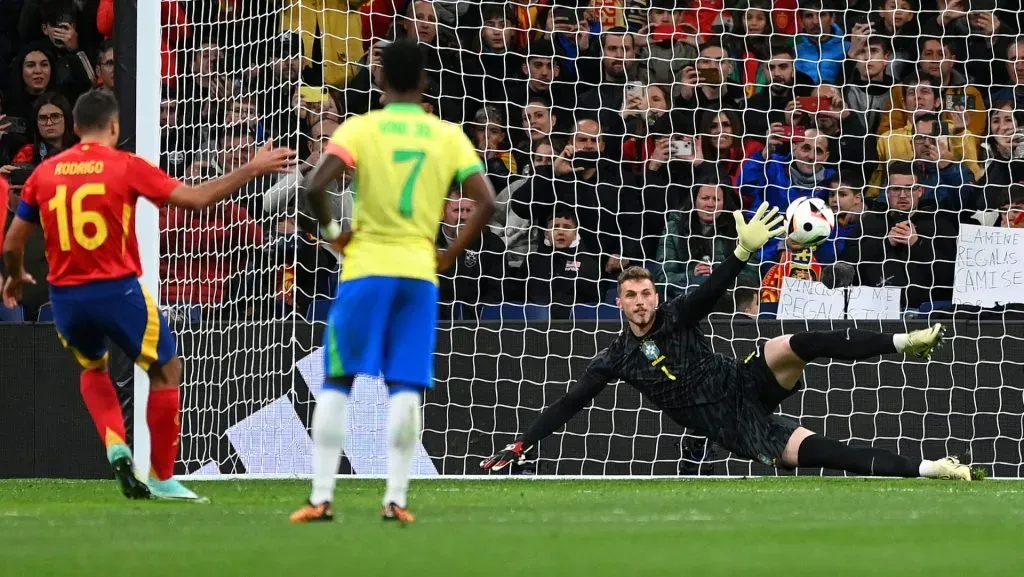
<point x="847" y="345"/>
<point x="820" y="451"/>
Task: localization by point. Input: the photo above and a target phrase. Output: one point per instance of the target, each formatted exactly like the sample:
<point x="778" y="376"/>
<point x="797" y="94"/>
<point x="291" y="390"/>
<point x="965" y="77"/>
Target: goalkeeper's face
<point x="638" y="300"/>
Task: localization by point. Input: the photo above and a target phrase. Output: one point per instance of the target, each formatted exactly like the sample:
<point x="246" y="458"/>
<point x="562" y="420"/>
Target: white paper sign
<point x="873" y="303"/>
<point x="989" y="266"/>
<point x="804" y="299"/>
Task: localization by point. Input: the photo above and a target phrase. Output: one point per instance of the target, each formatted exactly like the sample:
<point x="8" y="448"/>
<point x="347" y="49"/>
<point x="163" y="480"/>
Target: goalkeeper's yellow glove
<point x="763" y="226"/>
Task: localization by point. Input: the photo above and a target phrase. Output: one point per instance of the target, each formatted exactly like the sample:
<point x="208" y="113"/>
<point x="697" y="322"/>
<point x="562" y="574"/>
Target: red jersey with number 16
<point x="84" y="198"/>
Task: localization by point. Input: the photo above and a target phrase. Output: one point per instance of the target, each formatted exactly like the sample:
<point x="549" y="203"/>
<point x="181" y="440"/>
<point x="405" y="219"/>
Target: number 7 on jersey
<point x="402" y="157"/>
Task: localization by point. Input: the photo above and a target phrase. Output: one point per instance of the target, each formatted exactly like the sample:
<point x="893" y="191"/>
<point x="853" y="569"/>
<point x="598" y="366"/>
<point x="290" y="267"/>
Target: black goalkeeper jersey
<point x="672" y="365"/>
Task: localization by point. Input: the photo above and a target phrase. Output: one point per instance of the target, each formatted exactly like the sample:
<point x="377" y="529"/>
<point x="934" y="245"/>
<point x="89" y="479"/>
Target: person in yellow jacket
<point x="922" y="104"/>
<point x="341" y="39"/>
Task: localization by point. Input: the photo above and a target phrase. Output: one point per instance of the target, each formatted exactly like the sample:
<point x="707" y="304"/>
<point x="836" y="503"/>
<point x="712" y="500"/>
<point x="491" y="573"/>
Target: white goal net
<point x="617" y="133"/>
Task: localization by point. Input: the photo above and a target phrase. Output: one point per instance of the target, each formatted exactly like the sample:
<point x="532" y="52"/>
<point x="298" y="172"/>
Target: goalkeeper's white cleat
<point x="951" y="468"/>
<point x="923" y="342"/>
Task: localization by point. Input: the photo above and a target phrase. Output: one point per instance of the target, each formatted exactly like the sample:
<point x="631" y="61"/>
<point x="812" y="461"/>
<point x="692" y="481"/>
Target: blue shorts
<point x="121" y="310"/>
<point x="383" y="326"/>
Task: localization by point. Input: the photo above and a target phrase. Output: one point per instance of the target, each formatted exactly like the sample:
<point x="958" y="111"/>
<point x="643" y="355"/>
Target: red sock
<point x="164" y="430"/>
<point x="101" y="400"/>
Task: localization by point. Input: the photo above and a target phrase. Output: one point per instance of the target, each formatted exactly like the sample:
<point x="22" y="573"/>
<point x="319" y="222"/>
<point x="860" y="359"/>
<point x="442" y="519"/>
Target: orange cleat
<point x="310" y="513"/>
<point x="393" y="512"/>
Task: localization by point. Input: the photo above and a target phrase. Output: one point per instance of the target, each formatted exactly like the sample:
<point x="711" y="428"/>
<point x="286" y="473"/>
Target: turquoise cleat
<point x="120" y="457"/>
<point x="172" y="490"/>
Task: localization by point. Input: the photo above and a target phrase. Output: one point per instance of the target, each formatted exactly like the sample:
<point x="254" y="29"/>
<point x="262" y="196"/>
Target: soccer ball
<point x="809" y="221"/>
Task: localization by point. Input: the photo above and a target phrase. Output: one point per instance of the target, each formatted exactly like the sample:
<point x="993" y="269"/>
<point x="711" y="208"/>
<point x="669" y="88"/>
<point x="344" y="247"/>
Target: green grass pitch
<point x="775" y="526"/>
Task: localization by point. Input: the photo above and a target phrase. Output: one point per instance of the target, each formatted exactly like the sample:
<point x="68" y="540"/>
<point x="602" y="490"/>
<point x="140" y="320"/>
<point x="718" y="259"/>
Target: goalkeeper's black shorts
<point x="744" y="421"/>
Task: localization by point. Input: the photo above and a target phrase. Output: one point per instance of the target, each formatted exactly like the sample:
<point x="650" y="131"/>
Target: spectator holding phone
<point x="662" y="43"/>
<point x="704" y="88"/>
<point x="975" y="28"/>
<point x="868" y="84"/>
<point x="1004" y="164"/>
<point x="73" y="69"/>
<point x="937" y="60"/>
<point x="898" y="23"/>
<point x="945" y="157"/>
<point x="785" y="84"/>
<point x="820" y="47"/>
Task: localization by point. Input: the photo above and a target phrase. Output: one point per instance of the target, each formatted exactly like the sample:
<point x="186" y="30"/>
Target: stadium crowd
<point x="617" y="132"/>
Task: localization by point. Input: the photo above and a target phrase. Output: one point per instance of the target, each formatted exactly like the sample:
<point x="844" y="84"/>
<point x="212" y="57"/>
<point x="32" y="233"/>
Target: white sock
<point x="900" y="341"/>
<point x="403" y="435"/>
<point x="328" y="441"/>
<point x="927" y="469"/>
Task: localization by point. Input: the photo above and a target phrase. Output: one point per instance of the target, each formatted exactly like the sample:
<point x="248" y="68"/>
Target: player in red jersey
<point x="84" y="198"/>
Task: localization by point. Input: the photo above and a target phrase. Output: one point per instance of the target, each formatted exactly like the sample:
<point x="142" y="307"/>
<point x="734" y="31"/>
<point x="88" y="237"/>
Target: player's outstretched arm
<point x="553" y="417"/>
<point x="478" y="188"/>
<point x="764" y="225"/>
<point x="314" y="186"/>
<point x="268" y="160"/>
<point x="14" y="260"/>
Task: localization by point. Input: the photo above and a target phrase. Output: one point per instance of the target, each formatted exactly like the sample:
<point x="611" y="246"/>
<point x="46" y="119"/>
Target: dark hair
<point x="541" y="100"/>
<point x="884" y="41"/>
<point x="234" y="131"/>
<point x="403" y="62"/>
<point x="777" y="49"/>
<point x="540" y="49"/>
<point x="635" y="273"/>
<point x="17" y="83"/>
<point x="616" y="31"/>
<point x="66" y="139"/>
<point x="744" y="295"/>
<point x="900" y="167"/>
<point x="95" y="109"/>
<point x="562" y="212"/>
<point x="711" y="152"/>
<point x="913" y="78"/>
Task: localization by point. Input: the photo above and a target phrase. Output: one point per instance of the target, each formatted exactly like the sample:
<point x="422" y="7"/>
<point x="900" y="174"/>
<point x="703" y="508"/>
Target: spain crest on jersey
<point x="650" y="350"/>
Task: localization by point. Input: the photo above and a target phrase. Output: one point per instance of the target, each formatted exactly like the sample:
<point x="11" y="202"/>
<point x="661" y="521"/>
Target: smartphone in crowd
<point x="958" y="99"/>
<point x="634" y="89"/>
<point x="313" y="94"/>
<point x="709" y="75"/>
<point x="13" y="125"/>
<point x="585" y="158"/>
<point x="813" y="104"/>
<point x="663" y="33"/>
<point x="794" y="132"/>
<point x="681" y="147"/>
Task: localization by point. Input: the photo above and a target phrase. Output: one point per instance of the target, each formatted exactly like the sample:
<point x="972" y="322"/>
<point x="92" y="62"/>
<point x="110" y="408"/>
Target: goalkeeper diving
<point x="665" y="355"/>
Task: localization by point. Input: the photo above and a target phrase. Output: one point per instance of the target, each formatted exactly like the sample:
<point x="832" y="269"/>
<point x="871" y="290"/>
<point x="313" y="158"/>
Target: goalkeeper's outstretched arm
<point x="554" y="417"/>
<point x="764" y="225"/>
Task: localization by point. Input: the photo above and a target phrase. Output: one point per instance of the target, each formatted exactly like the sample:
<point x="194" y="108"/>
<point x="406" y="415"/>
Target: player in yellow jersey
<point x="384" y="318"/>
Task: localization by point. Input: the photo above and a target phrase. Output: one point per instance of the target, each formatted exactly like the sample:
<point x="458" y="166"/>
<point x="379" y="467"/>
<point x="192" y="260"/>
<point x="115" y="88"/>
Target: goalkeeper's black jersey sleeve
<point x="672" y="365"/>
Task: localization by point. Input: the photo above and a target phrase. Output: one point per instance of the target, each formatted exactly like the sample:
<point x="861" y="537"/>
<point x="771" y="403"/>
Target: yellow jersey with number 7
<point x="405" y="162"/>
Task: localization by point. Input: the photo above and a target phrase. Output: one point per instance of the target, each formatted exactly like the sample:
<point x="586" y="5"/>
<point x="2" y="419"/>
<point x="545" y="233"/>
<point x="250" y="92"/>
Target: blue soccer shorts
<point x="383" y="326"/>
<point x="121" y="310"/>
